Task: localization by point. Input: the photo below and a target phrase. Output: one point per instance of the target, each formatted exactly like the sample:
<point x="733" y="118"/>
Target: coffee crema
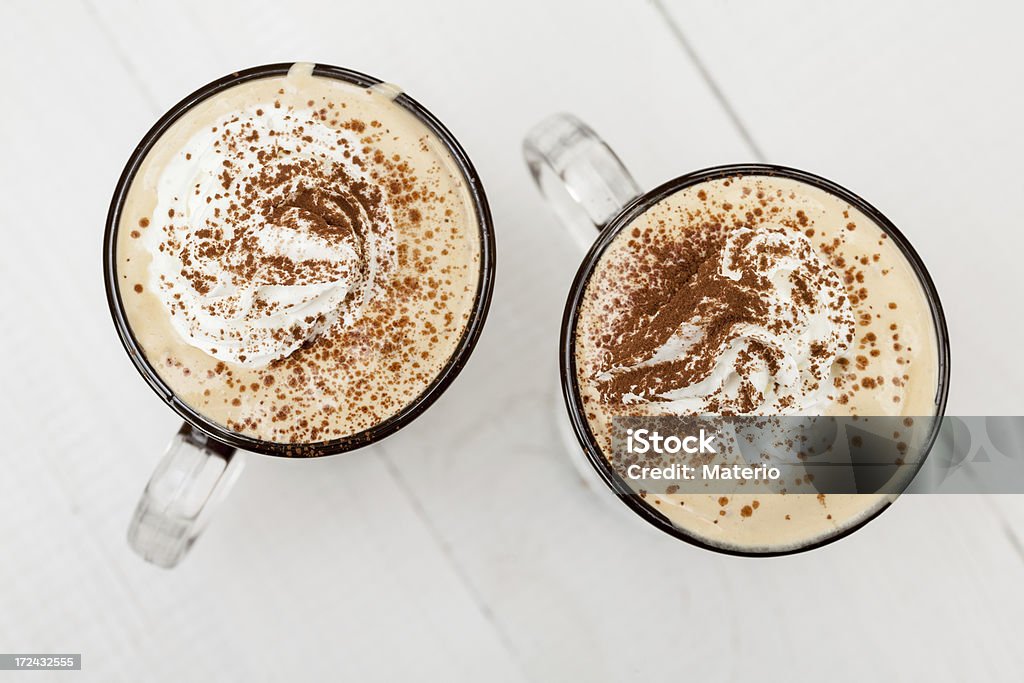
<point x="754" y="295"/>
<point x="298" y="257"/>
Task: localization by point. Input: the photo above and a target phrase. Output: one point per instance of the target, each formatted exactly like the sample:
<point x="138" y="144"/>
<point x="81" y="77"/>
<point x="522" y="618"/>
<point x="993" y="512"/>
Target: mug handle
<point x="192" y="478"/>
<point x="578" y="173"/>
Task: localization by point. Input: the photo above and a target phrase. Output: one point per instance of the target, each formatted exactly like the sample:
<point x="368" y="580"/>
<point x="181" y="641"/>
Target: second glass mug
<point x="595" y="197"/>
<point x="204" y="458"/>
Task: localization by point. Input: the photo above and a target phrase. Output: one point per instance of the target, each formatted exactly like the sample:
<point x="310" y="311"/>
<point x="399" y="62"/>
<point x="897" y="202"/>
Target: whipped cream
<point x="762" y="337"/>
<point x="270" y="232"/>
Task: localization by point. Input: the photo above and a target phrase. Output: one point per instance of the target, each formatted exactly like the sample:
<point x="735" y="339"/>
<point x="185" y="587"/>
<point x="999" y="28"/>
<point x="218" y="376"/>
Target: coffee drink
<point x="755" y="295"/>
<point x="299" y="257"/>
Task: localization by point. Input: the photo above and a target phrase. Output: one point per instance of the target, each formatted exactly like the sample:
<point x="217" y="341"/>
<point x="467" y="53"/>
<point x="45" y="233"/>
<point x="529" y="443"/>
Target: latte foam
<point x="299" y="257"/>
<point x="755" y="295"/>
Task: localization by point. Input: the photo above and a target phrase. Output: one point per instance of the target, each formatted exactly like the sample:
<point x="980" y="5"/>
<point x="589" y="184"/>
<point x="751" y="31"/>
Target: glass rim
<point x="467" y="342"/>
<point x="639" y="205"/>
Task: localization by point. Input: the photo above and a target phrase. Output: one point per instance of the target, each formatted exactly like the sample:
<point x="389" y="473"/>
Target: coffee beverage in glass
<point x="299" y="259"/>
<point x="737" y="290"/>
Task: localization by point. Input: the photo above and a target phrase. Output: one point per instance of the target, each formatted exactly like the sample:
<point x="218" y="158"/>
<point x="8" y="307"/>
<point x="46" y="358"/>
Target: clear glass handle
<point x="193" y="477"/>
<point x="579" y="175"/>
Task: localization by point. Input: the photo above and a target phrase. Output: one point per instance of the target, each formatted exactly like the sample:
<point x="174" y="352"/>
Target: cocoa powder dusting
<point x="351" y="376"/>
<point x="693" y="287"/>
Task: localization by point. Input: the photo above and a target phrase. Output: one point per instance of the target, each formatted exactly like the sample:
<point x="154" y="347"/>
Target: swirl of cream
<point x="758" y="331"/>
<point x="269" y="235"/>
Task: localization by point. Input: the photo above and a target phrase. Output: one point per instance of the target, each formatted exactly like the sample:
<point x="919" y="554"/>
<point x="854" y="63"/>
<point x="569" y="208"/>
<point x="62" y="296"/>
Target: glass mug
<point x="205" y="458"/>
<point x="594" y="196"/>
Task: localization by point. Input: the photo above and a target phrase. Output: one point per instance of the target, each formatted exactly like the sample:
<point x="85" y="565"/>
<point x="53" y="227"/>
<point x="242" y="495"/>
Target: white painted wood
<point x="465" y="547"/>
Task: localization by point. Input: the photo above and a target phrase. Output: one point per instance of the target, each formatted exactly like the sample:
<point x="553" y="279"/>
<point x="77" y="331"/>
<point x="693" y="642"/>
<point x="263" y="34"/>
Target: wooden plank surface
<point x="466" y="546"/>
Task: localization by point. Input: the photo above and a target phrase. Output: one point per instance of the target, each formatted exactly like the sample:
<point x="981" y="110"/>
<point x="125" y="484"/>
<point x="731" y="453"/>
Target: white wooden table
<point x="466" y="547"/>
